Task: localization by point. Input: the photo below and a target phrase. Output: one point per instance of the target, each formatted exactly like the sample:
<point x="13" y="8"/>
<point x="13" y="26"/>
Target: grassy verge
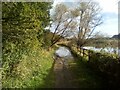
<point x="84" y="76"/>
<point x="34" y="71"/>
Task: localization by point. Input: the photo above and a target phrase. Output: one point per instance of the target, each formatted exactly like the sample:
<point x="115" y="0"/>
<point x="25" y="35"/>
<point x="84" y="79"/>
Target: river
<point x="106" y="49"/>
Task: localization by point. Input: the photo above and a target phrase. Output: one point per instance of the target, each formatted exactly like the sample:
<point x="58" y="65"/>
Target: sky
<point x="109" y="13"/>
<point x="110" y="16"/>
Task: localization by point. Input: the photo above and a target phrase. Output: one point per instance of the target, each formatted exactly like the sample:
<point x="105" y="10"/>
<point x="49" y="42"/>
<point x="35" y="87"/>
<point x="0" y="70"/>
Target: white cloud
<point x="106" y="5"/>
<point x="109" y="5"/>
<point x="109" y="27"/>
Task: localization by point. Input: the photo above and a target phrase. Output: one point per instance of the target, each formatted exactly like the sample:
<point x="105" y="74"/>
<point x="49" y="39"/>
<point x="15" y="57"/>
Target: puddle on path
<point x="63" y="75"/>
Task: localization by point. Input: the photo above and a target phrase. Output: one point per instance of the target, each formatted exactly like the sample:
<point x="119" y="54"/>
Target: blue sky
<point x="109" y="13"/>
<point x="110" y="17"/>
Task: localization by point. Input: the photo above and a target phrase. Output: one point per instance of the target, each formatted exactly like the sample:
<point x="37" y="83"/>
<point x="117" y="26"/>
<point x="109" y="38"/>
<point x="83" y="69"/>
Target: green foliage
<point x="104" y="64"/>
<point x="34" y="71"/>
<point x="47" y="42"/>
<point x="23" y="26"/>
<point x="84" y="76"/>
<point x="108" y="65"/>
<point x="47" y="39"/>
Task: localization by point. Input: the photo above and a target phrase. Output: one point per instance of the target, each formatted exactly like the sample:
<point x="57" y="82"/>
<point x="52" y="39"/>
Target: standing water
<point x="63" y="52"/>
<point x="71" y="74"/>
<point x="63" y="75"/>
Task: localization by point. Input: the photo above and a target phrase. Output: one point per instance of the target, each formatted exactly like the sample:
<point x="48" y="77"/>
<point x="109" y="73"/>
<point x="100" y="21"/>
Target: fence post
<point x="80" y="51"/>
<point x="89" y="54"/>
<point x="83" y="52"/>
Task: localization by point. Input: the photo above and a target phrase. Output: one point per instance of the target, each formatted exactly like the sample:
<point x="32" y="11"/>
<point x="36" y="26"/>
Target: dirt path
<point x="63" y="75"/>
<point x="74" y="74"/>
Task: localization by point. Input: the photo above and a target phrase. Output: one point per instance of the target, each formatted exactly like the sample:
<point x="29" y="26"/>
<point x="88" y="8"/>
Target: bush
<point x="23" y="26"/>
<point x="108" y="65"/>
<point x="34" y="71"/>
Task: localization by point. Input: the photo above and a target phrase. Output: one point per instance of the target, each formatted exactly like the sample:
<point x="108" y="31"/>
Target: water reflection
<point x="107" y="49"/>
<point x="63" y="52"/>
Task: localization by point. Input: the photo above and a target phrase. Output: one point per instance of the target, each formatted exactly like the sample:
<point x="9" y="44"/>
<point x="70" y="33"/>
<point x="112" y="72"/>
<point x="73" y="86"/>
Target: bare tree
<point x="82" y="19"/>
<point x="89" y="19"/>
<point x="62" y="20"/>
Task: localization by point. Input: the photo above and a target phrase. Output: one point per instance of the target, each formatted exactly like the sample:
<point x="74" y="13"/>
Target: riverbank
<point x="76" y="74"/>
<point x="108" y="50"/>
<point x="104" y="65"/>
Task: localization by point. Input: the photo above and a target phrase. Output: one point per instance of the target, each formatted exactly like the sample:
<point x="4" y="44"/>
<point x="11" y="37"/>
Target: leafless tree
<point x="89" y="19"/>
<point x="83" y="19"/>
<point x="62" y="20"/>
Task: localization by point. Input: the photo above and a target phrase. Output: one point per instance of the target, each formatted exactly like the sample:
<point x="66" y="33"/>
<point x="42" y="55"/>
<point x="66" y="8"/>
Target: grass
<point x="84" y="76"/>
<point x="34" y="71"/>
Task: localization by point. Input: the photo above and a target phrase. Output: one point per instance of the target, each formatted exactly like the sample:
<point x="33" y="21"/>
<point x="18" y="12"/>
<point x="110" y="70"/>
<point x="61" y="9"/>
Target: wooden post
<point x="89" y="54"/>
<point x="80" y="51"/>
<point x="83" y="52"/>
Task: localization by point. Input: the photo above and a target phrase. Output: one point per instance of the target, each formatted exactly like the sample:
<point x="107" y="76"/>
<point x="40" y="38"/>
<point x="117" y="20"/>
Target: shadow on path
<point x="72" y="73"/>
<point x="75" y="73"/>
<point x="63" y="76"/>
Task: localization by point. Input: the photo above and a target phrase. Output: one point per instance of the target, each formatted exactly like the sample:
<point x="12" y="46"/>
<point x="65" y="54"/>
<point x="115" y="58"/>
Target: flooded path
<point x="70" y="72"/>
<point x="63" y="75"/>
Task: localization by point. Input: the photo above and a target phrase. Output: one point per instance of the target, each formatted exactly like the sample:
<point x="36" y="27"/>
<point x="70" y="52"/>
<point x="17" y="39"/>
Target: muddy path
<point x="63" y="75"/>
<point x="74" y="72"/>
